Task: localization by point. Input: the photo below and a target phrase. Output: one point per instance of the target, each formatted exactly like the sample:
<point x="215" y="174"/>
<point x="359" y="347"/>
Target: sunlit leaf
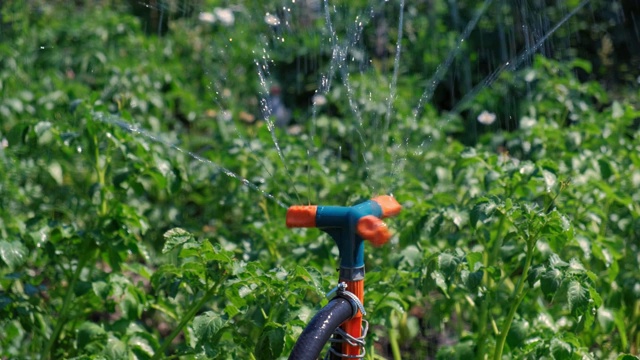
<point x="176" y="237"/>
<point x="577" y="295"/>
<point x="550" y="281"/>
<point x="13" y="253"/>
<point x="474" y="259"/>
<point x="143" y="344"/>
<point x="115" y="349"/>
<point x="207" y="325"/>
<point x="560" y="350"/>
<point x="440" y="282"/>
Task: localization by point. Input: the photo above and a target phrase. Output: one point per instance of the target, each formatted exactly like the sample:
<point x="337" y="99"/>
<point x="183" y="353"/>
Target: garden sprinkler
<point x="349" y="227"/>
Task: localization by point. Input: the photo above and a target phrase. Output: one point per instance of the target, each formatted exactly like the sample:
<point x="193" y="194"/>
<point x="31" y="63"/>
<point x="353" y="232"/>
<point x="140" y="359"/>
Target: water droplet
<point x="271" y="20"/>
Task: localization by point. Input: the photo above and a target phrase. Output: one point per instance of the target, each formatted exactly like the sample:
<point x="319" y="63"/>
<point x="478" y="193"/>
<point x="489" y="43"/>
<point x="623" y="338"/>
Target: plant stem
<point x="101" y="172"/>
<point x="518" y="296"/>
<point x="484" y="308"/>
<point x="62" y="317"/>
<point x="603" y="226"/>
<point x="191" y="313"/>
<point x="393" y="342"/>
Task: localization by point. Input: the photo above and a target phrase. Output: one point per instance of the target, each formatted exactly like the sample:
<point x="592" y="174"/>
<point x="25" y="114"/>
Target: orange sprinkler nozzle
<point x="302" y="216"/>
<point x="389" y="205"/>
<point x="373" y="229"/>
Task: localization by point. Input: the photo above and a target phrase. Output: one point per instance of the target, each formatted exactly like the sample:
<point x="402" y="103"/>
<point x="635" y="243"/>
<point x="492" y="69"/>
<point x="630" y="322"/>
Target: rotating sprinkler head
<point x="349" y="226"/>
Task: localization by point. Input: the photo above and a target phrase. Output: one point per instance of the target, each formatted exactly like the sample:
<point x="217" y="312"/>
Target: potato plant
<point x="133" y="168"/>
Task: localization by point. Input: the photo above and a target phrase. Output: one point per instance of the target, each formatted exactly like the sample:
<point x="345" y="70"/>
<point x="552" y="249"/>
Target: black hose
<point x="320" y="329"/>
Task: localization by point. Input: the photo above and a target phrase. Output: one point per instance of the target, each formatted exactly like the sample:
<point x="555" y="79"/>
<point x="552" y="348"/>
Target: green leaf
<point x="18" y="133"/>
<point x="581" y="64"/>
<point x="131" y="304"/>
<point x="167" y="309"/>
<point x="597" y="299"/>
<point x="43" y="132"/>
<point x="482" y="212"/>
<point x="141" y="346"/>
<point x="517" y="334"/>
<point x="535" y="273"/>
<point x="176" y="237"/>
<point x="101" y="289"/>
<point x="494" y="273"/>
<point x="616" y="110"/>
<point x="231" y="310"/>
<point x="88" y="333"/>
<point x="448" y="264"/>
<point x="270" y="343"/>
<point x="440" y="282"/>
<point x="474" y="279"/>
<point x="627" y="357"/>
<point x="168" y="278"/>
<point x="211" y="252"/>
<point x="620" y="319"/>
<point x="556" y="262"/>
<point x="560" y="350"/>
<point x="13" y="254"/>
<point x="411" y="233"/>
<point x="606" y="319"/>
<point x="207" y="325"/>
<point x="412" y="255"/>
<point x="460" y="351"/>
<point x="115" y="349"/>
<point x="392" y="304"/>
<point x="234" y="297"/>
<point x="550" y="281"/>
<point x="474" y="259"/>
<point x="550" y="179"/>
<point x="55" y="170"/>
<point x="606" y="170"/>
<point x="578" y="297"/>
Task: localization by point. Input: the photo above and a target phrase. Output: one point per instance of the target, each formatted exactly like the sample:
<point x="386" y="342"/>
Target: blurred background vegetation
<point x="604" y="33"/>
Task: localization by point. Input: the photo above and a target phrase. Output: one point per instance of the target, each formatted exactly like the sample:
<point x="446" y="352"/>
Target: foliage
<point x="116" y="243"/>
